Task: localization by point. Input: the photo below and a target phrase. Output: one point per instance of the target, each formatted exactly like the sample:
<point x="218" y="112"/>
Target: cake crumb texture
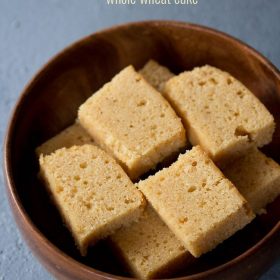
<point x="257" y="177"/>
<point x="94" y="195"/>
<point x="129" y="119"/>
<point x="149" y="249"/>
<point x="219" y="112"/>
<point x="197" y="202"/>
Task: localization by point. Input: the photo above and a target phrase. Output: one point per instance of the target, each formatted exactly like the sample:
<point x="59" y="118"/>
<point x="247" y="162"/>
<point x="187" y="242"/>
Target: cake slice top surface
<point x="133" y="112"/>
<point x="194" y="198"/>
<point x="89" y="187"/>
<point x="219" y="107"/>
<point x="193" y="189"/>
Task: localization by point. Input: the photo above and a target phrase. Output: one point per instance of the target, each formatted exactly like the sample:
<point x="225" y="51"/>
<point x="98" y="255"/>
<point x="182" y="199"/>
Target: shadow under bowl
<point x="50" y="102"/>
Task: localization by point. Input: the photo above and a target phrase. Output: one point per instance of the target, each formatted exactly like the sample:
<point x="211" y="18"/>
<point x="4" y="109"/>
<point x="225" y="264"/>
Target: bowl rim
<point x="14" y="199"/>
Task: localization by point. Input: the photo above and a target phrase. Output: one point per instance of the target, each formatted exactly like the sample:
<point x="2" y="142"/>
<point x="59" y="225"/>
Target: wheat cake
<point x="149" y="249"/>
<point x="156" y="74"/>
<point x="131" y="120"/>
<point x="219" y="113"/>
<point x="92" y="192"/>
<point x="257" y="177"/>
<point x="197" y="202"/>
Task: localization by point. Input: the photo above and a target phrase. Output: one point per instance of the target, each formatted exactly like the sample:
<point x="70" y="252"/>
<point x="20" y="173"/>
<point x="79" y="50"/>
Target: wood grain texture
<point x="49" y="104"/>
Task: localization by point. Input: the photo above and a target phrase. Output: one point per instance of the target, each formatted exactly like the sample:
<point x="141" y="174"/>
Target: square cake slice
<point x="197" y="202"/>
<point x="219" y="113"/>
<point x="92" y="192"/>
<point x="129" y="119"/>
<point x="257" y="178"/>
<point x="70" y="136"/>
<point x="156" y="74"/>
<point x="149" y="249"/>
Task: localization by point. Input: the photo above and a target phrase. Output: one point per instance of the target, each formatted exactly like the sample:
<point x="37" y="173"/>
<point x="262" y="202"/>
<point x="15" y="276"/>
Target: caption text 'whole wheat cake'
<point x="257" y="177"/>
<point x="94" y="195"/>
<point x="149" y="249"/>
<point x="133" y="122"/>
<point x="197" y="202"/>
<point x="219" y="112"/>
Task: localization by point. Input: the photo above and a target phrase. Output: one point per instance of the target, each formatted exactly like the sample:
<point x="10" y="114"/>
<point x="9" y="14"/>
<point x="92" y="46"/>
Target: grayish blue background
<point x="31" y="31"/>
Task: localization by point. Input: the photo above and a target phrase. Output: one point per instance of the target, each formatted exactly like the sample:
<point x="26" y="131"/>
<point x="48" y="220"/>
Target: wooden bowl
<point x="50" y="102"/>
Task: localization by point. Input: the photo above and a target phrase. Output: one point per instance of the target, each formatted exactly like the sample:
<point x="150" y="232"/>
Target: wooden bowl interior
<point x="51" y="102"/>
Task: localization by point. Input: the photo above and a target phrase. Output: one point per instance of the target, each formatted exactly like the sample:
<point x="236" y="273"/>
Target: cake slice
<point x="197" y="202"/>
<point x="70" y="136"/>
<point x="219" y="113"/>
<point x="156" y="74"/>
<point x="92" y="192"/>
<point x="257" y="177"/>
<point x="149" y="249"/>
<point x="129" y="119"/>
